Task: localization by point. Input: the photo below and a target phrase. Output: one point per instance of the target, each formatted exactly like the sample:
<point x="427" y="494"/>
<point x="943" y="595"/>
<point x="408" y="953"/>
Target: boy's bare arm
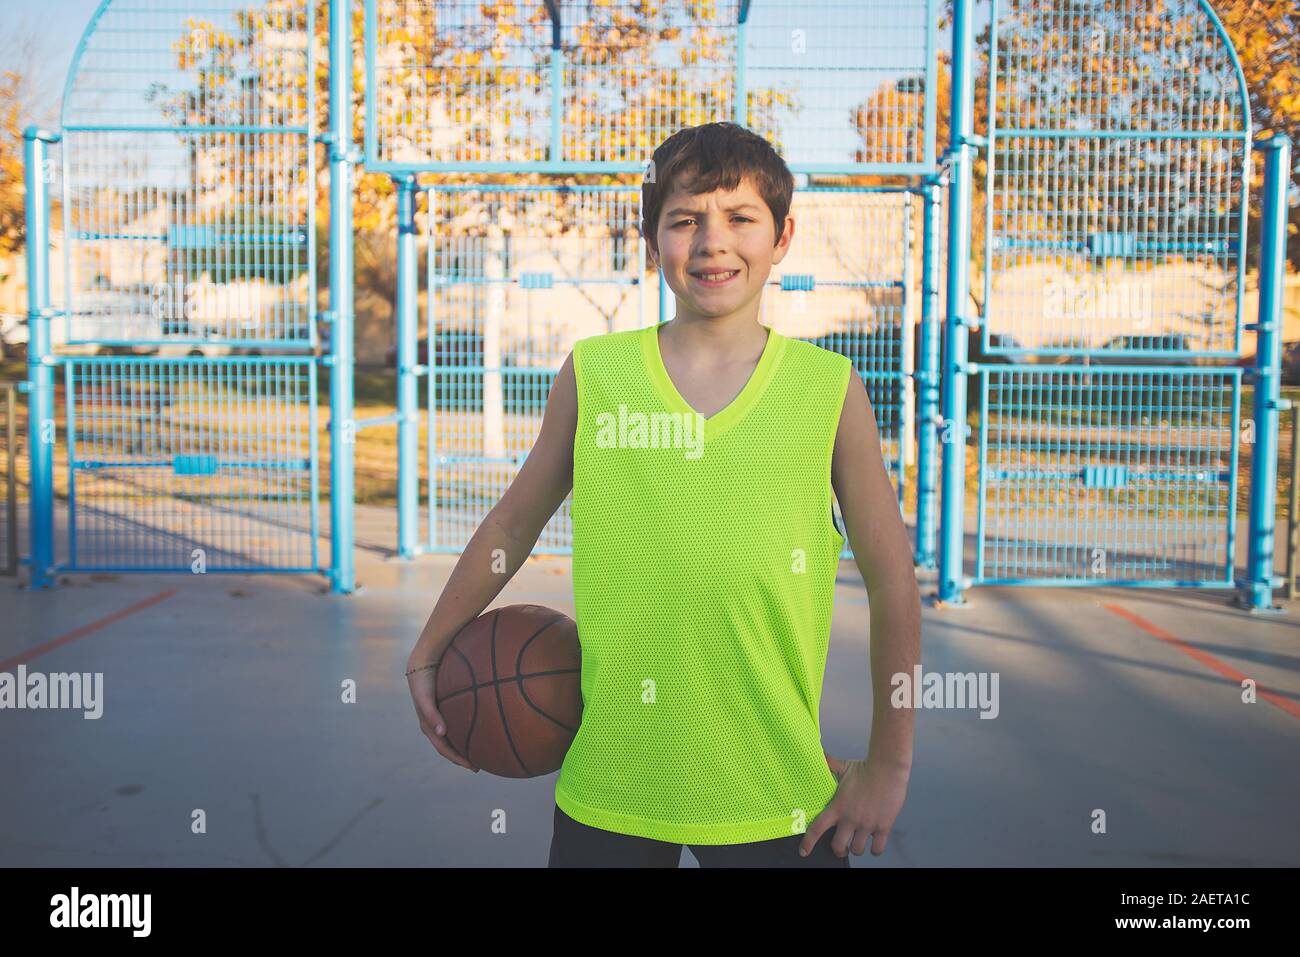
<point x="510" y="530"/>
<point x="876" y="533"/>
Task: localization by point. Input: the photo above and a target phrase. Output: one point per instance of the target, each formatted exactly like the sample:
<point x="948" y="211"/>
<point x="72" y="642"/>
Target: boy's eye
<point x="743" y="219"/>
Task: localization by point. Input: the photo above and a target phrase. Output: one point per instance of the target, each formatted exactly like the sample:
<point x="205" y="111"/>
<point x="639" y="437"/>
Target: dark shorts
<point x="574" y="844"/>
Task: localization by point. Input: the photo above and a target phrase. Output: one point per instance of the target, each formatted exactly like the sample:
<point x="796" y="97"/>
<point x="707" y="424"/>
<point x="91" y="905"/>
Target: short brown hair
<point x="710" y="157"/>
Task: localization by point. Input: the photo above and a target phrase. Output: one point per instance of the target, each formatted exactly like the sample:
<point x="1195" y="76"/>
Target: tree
<point x="13" y="221"/>
<point x="24" y="101"/>
<point x="1099" y="55"/>
<point x="1266" y="36"/>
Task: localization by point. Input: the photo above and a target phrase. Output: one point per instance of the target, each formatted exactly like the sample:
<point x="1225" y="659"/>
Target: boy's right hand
<point x="422" y="686"/>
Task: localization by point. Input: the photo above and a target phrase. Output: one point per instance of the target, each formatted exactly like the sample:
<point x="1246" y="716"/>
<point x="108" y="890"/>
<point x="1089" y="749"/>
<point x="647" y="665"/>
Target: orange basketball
<point x="509" y="688"/>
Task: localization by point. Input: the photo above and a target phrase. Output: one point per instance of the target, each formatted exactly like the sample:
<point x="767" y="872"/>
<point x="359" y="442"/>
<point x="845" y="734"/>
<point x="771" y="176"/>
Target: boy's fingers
<point x="834" y="763"/>
<point x="427" y="709"/>
<point x="878" y="845"/>
<point x="822" y="823"/>
<point x="843" y="842"/>
<point x="434" y="720"/>
<point x="860" y="841"/>
<point x="441" y="745"/>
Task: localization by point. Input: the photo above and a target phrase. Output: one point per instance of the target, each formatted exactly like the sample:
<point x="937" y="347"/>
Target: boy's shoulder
<point x="797" y="352"/>
<point x="605" y="342"/>
<point x="814" y="355"/>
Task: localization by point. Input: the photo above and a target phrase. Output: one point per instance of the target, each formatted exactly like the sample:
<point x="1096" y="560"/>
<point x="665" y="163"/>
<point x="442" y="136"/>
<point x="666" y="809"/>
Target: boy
<point x="702" y="454"/>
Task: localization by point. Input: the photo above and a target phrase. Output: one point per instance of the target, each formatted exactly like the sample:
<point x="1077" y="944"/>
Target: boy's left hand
<point x="867" y="802"/>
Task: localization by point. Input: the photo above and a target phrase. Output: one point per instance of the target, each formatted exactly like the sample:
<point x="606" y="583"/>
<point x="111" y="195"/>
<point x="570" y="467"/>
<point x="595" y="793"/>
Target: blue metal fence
<point x="517" y="273"/>
<point x="1118" y="152"/>
<point x="571" y="86"/>
<point x="187" y="188"/>
<point x="196" y="465"/>
<point x="847" y="285"/>
<point x="1092" y="475"/>
<point x="568" y="87"/>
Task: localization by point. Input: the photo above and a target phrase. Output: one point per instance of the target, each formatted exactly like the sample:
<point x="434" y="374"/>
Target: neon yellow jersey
<point x="703" y="579"/>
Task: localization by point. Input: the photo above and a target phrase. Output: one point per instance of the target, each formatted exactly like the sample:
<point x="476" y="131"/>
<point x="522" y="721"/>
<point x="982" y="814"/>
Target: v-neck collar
<point x="735" y="410"/>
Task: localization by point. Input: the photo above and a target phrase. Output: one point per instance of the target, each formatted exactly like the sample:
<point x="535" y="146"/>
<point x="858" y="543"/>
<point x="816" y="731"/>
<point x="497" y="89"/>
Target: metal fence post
<point x="407" y="359"/>
<point x="955" y="367"/>
<point x="40" y="370"/>
<point x="342" y="426"/>
<point x="927" y="377"/>
<point x="1260" y="581"/>
<point x="11" y="478"/>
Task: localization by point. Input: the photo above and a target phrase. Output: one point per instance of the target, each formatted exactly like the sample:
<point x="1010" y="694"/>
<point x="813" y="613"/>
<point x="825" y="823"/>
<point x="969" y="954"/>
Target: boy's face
<point x="700" y="236"/>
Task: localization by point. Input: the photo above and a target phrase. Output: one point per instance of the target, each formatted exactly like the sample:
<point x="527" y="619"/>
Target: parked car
<point x="452" y="348"/>
<point x="1172" y="349"/>
<point x="998" y="340"/>
<point x="1290" y="363"/>
<point x="1148" y="388"/>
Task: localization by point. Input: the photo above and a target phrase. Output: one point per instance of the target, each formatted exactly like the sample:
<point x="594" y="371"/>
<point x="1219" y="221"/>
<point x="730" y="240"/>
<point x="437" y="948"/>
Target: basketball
<point x="509" y="690"/>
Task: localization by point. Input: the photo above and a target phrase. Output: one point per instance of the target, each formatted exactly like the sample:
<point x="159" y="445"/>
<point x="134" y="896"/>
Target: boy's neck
<point x="722" y="336"/>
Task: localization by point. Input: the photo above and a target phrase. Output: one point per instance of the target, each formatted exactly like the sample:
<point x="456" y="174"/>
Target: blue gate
<point x="544" y="88"/>
<point x="515" y="275"/>
<point x="1108" y="426"/>
<point x="847" y="285"/>
<point x="187" y="336"/>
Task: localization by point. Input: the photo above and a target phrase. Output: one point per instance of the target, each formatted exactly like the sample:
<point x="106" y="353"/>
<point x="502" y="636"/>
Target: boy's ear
<point x="783" y="241"/>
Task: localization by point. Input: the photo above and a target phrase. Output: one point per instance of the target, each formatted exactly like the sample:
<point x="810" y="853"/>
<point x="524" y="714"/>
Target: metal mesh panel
<point x="191" y="464"/>
<point x="839" y="87"/>
<point x="845" y="286"/>
<point x="519" y="273"/>
<point x="1117" y="186"/>
<point x="189" y="180"/>
<point x="809" y="66"/>
<point x="449" y="85"/>
<point x="516" y="276"/>
<point x="15" y="478"/>
<point x="629" y="85"/>
<point x="1119" y="151"/>
<point x="1120" y="475"/>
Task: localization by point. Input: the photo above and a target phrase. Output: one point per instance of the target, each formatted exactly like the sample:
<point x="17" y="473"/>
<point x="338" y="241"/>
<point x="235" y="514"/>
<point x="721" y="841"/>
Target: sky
<point x="57" y="26"/>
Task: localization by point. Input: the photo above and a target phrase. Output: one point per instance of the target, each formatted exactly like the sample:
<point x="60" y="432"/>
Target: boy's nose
<point x="709" y="240"/>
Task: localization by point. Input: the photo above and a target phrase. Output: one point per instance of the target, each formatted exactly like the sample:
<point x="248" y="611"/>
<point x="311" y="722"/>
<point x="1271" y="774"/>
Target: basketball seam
<point x="473" y="714"/>
<point x="501" y="705"/>
<point x="523" y="691"/>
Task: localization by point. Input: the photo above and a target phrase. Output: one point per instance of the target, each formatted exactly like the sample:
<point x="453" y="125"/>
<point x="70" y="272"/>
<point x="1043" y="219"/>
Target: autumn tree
<point x="24" y="101"/>
<point x="1093" y="68"/>
<point x="13" y="224"/>
<point x="1266" y="36"/>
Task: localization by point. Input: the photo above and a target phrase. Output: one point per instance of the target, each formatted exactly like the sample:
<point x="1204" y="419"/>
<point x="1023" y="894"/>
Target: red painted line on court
<point x="84" y="630"/>
<point x="1214" y="664"/>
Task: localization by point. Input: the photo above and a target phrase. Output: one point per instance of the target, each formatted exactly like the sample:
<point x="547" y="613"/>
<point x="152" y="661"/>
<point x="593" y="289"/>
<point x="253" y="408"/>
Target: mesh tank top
<point x="703" y="578"/>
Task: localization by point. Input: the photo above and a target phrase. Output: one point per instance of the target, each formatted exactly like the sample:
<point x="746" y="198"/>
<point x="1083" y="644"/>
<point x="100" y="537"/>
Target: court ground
<point x="223" y="693"/>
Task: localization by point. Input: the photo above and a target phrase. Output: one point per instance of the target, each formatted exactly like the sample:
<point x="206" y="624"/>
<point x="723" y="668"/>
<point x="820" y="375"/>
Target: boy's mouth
<point x="715" y="277"/>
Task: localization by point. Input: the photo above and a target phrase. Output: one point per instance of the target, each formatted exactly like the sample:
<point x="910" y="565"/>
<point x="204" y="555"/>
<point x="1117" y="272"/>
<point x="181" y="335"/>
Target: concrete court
<point x="223" y="693"/>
